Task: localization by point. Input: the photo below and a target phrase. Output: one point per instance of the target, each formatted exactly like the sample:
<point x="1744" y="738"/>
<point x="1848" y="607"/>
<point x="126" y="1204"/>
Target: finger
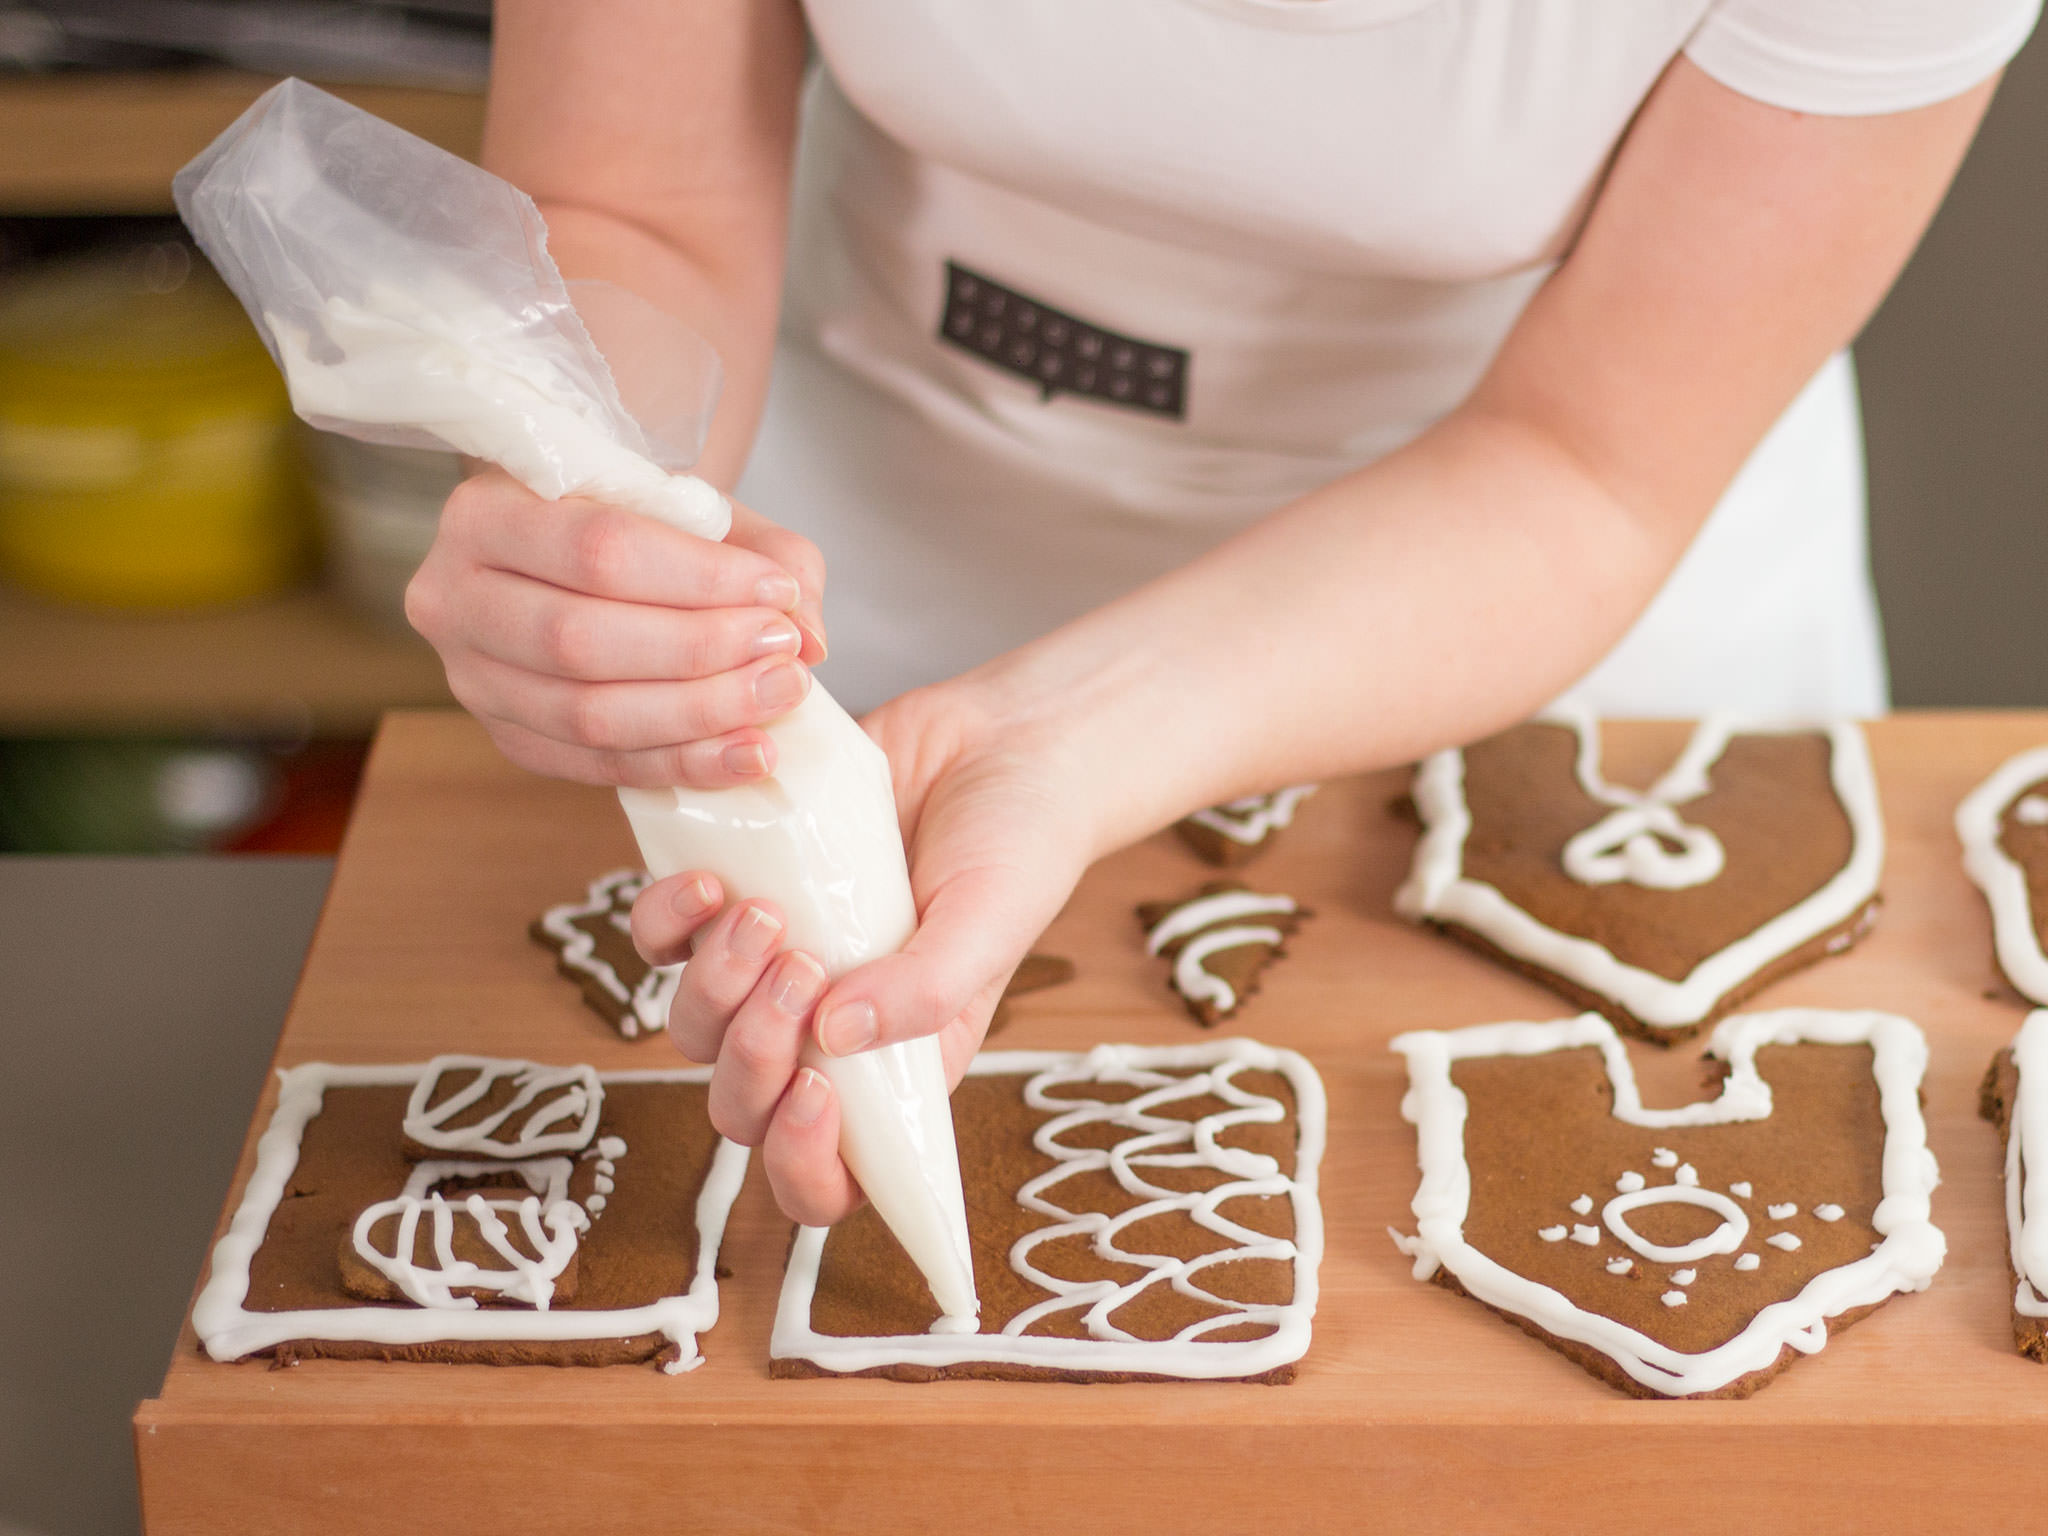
<point x="973" y="932"/>
<point x="628" y="717"/>
<point x="586" y="546"/>
<point x="540" y="628"/>
<point x="757" y="1057"/>
<point x="725" y="965"/>
<point x="669" y="912"/>
<point x="802" y="559"/>
<point x="719" y="762"/>
<point x="801" y="1153"/>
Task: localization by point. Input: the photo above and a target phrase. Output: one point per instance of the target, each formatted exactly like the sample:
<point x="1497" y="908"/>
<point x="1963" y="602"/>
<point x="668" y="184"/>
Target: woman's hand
<point x="993" y="817"/>
<point x="598" y="645"/>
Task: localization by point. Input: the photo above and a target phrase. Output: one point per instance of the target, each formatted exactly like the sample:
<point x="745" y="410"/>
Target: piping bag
<point x="409" y="299"/>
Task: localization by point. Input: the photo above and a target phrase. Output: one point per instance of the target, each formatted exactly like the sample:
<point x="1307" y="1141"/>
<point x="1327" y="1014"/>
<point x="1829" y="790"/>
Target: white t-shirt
<point x="1078" y="288"/>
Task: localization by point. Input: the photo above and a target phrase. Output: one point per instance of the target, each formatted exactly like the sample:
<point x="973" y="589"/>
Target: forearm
<point x="1446" y="591"/>
<point x="658" y="143"/>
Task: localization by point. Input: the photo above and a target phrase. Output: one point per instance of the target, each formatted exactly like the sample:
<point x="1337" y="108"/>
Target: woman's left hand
<point x="995" y="819"/>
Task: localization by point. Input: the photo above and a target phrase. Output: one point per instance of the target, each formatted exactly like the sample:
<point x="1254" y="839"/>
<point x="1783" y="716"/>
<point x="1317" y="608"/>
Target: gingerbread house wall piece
<point x="2008" y="812"/>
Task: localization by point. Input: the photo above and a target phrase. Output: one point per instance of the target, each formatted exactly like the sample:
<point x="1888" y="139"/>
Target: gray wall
<point x="1955" y="381"/>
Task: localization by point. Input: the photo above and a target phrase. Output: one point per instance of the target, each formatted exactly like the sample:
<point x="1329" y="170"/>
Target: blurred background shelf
<point x="297" y="665"/>
<point x="109" y="143"/>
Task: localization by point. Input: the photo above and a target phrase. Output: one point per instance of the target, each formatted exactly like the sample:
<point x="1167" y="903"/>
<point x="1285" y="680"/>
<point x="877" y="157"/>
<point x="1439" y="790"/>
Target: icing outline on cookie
<point x="229" y="1331"/>
<point x="1911" y="1249"/>
<point x="1176" y="1143"/>
<point x="645" y="1006"/>
<point x="2026" y="1185"/>
<point x="2000" y="877"/>
<point x="1437" y="888"/>
<point x="1251" y="819"/>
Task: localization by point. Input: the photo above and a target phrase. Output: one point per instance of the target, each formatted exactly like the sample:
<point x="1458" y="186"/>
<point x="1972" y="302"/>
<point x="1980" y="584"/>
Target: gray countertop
<point x="139" y="1001"/>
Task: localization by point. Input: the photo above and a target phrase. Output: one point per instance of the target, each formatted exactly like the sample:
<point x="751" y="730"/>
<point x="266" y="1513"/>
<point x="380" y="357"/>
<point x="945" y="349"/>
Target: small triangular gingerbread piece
<point x="1238" y="831"/>
<point x="592" y="942"/>
<point x="1220" y="940"/>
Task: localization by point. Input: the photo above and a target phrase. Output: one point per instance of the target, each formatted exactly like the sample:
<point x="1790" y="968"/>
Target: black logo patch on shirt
<point x="1059" y="352"/>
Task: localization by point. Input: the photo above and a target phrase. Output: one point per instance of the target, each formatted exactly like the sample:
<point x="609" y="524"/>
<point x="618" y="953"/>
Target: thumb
<point x="975" y="929"/>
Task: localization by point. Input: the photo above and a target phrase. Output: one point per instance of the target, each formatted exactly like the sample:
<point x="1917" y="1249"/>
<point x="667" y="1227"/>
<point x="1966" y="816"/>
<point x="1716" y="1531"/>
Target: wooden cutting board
<point x="1414" y="1409"/>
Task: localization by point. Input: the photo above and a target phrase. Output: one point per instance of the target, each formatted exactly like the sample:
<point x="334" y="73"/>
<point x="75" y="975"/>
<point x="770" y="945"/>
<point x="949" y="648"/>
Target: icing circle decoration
<point x="1725" y="1238"/>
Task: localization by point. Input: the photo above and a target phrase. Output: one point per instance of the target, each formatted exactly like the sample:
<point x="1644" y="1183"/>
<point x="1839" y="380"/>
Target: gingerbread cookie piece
<point x="1688" y="1252"/>
<point x="479" y="1210"/>
<point x="2004" y="827"/>
<point x="1034" y="973"/>
<point x="1219" y="940"/>
<point x="1757" y="853"/>
<point x="1136" y="1214"/>
<point x="592" y="942"/>
<point x="2015" y="1099"/>
<point x="1238" y="831"/>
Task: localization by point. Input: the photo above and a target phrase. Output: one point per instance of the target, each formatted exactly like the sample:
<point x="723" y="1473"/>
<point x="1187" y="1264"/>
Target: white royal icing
<point x="2002" y="880"/>
<point x="1829" y="1212"/>
<point x="1674" y="1298"/>
<point x="1725" y="1238"/>
<point x="646" y="1003"/>
<point x="1437" y="887"/>
<point x="1620" y="1266"/>
<point x="1154" y="1141"/>
<point x="1740" y="1187"/>
<point x="2026" y="1180"/>
<point x="1254" y="818"/>
<point x="552" y="1109"/>
<point x="1783" y="1212"/>
<point x="1905" y="1259"/>
<point x="1628" y="844"/>
<point x="229" y="1330"/>
<point x="1590" y="1236"/>
<point x="1663" y="1157"/>
<point x="1747" y="1261"/>
<point x="1205" y="911"/>
<point x="1583" y="1205"/>
<point x="1191" y="978"/>
<point x="2032" y="811"/>
<point x="1684" y="1276"/>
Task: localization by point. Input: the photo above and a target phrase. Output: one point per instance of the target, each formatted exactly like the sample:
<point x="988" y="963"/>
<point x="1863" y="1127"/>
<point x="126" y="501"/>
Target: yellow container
<point x="145" y="452"/>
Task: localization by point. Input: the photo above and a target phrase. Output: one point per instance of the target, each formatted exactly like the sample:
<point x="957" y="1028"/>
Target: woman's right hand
<point x="599" y="645"/>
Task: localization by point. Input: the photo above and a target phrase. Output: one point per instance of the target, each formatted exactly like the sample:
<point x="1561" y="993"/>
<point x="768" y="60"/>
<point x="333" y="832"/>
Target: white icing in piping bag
<point x="409" y="299"/>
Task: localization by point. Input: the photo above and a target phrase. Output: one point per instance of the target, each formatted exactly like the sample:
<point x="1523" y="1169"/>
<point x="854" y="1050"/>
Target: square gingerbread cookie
<point x="476" y="1209"/>
<point x="1193" y="1167"/>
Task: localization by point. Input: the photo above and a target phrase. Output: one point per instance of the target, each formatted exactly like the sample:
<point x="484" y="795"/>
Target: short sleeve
<point x="1853" y="58"/>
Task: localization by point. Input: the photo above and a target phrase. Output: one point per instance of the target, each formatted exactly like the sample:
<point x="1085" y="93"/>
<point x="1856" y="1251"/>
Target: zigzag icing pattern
<point x="1154" y="1141"/>
<point x="1911" y="1250"/>
<point x="1437" y="887"/>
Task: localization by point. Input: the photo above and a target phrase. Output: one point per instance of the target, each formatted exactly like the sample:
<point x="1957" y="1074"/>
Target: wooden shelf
<point x="109" y="143"/>
<point x="300" y="663"/>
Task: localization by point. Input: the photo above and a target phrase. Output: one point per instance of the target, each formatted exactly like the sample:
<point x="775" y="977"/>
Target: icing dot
<point x="1683" y="1276"/>
<point x="611" y="1146"/>
<point x="1620" y="1266"/>
<point x="1741" y="1189"/>
<point x="1551" y="1234"/>
<point x="1747" y="1261"/>
<point x="2032" y="811"/>
<point x="1784" y="1240"/>
<point x="1583" y="1205"/>
<point x="1673" y="1298"/>
<point x="607" y="1167"/>
<point x="1629" y="1182"/>
<point x="1688" y="1176"/>
<point x="1782" y="1212"/>
<point x="1664" y="1157"/>
<point x="1828" y="1212"/>
<point x="1587" y="1235"/>
<point x="603" y="1185"/>
<point x="595" y="1204"/>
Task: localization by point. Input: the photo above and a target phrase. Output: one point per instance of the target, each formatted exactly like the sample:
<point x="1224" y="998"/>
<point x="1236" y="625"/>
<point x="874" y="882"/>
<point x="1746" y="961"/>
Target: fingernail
<point x="754" y="935"/>
<point x="781" y="687"/>
<point x="748" y="759"/>
<point x="692" y="899"/>
<point x="807" y="1097"/>
<point x="848" y="1028"/>
<point x="817" y="635"/>
<point x="777" y="591"/>
<point x="780" y="637"/>
<point x="802" y="980"/>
